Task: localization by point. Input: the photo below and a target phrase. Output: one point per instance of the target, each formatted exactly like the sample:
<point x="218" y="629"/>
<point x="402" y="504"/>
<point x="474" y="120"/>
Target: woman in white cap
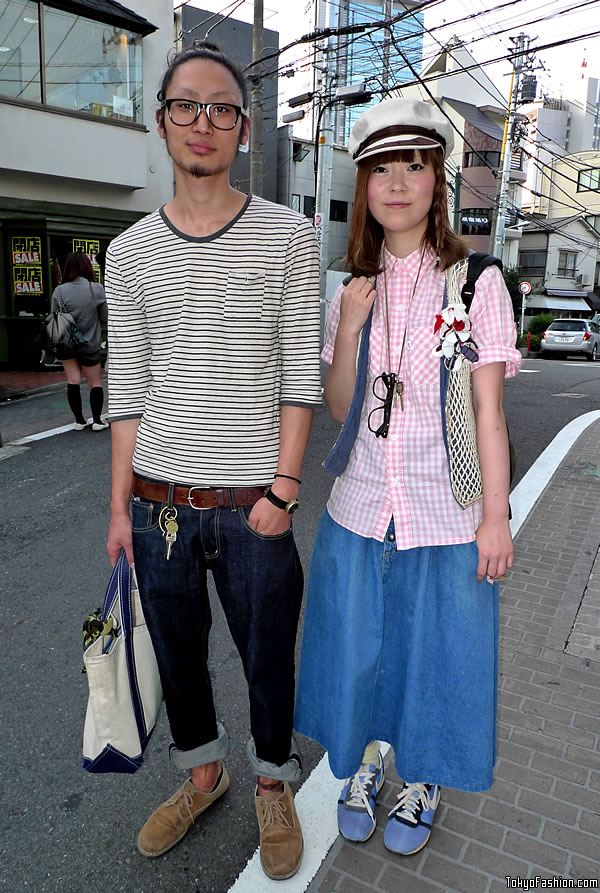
<point x="401" y="629"/>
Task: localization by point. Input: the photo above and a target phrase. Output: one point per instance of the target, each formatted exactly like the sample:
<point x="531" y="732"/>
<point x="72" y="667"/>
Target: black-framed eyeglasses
<point x="384" y="388"/>
<point x="222" y="115"/>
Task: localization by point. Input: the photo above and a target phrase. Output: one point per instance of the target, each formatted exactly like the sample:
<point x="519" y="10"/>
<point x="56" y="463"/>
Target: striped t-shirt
<point x="208" y="336"/>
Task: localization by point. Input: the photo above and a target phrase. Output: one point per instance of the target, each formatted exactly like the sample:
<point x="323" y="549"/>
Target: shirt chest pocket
<point x="245" y="294"/>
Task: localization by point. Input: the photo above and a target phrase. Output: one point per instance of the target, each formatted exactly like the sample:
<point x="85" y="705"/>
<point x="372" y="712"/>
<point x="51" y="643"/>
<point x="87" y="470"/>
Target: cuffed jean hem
<point x="290" y="771"/>
<point x="206" y="753"/>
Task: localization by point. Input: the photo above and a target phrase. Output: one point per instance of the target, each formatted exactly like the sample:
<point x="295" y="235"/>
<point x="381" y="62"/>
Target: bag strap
<point x="62" y="307"/>
<point x="120" y="589"/>
<point x="478" y="262"/>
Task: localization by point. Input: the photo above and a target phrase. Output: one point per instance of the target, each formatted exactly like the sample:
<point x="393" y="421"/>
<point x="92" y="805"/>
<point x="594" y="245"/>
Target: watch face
<point x="292" y="507"/>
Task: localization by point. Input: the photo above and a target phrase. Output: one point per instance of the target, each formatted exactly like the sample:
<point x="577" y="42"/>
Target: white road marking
<point x="50" y="433"/>
<point x="531" y="486"/>
<point x="11" y="449"/>
<point x="533" y="371"/>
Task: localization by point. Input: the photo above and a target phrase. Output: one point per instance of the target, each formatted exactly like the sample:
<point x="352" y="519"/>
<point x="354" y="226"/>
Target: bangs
<point x="408" y="156"/>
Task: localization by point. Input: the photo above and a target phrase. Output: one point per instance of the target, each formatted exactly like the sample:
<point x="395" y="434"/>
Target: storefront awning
<point x="107" y="11"/>
<point x="541" y="302"/>
<point x="566" y="292"/>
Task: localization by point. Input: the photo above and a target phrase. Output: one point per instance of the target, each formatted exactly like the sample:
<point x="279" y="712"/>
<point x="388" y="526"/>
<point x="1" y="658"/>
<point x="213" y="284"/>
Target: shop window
<point x="475" y="221"/>
<point x="567" y="264"/>
<point x="338" y="211"/>
<point x="20" y="51"/>
<point x="295" y="202"/>
<point x="532" y="263"/>
<point x="89" y="66"/>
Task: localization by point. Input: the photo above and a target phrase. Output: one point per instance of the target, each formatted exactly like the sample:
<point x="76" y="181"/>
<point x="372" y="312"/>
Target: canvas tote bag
<point x="125" y="693"/>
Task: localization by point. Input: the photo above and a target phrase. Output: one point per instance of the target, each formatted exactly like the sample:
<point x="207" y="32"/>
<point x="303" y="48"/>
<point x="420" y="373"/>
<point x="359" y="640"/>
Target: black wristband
<point x="288" y="476"/>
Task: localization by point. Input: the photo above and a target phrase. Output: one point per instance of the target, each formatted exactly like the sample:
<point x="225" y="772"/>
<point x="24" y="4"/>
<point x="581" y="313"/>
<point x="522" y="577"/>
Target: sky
<point x="477" y="23"/>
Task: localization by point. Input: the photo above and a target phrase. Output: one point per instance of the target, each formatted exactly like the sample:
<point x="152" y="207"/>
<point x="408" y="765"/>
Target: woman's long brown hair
<point x="366" y="234"/>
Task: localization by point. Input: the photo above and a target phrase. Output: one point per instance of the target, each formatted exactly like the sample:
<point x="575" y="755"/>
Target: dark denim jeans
<point x="259" y="582"/>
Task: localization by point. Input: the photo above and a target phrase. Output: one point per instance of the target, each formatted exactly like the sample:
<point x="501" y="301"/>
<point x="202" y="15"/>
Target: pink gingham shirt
<point x="406" y="474"/>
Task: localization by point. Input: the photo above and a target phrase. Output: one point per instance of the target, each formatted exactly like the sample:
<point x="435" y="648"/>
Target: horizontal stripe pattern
<point x="208" y="337"/>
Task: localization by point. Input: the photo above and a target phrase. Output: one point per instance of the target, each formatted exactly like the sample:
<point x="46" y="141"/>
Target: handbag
<point x="60" y="334"/>
<point x="125" y="692"/>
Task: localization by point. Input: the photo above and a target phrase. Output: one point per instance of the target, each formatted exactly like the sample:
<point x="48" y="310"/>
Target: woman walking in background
<point x="400" y="636"/>
<point x="85" y="300"/>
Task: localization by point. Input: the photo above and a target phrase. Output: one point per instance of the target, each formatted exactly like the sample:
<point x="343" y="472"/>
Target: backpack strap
<point x="478" y="261"/>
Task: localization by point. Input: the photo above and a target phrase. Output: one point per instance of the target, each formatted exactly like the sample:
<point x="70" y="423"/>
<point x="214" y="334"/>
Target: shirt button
<point x="391" y="538"/>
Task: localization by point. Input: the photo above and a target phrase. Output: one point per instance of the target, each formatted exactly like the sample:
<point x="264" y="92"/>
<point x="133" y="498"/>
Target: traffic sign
<point x="524" y="287"/>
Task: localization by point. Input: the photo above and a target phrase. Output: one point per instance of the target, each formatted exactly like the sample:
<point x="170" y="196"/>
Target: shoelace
<point x="357" y="795"/>
<point x="273" y="812"/>
<point x="183" y="800"/>
<point x="413" y="799"/>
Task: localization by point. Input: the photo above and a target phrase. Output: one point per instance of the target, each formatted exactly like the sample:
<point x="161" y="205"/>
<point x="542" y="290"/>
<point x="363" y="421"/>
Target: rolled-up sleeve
<point x="493" y="323"/>
<point x="129" y="375"/>
<point x="300" y="320"/>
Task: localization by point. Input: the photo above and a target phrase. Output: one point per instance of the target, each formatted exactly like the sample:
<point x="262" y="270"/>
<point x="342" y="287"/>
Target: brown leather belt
<point x="199" y="497"/>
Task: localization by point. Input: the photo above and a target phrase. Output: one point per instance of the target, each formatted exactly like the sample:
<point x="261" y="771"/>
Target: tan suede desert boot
<point x="281" y="841"/>
<point x="170" y="822"/>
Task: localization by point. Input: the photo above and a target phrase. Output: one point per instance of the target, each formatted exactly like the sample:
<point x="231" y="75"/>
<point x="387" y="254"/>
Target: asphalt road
<point x="62" y="829"/>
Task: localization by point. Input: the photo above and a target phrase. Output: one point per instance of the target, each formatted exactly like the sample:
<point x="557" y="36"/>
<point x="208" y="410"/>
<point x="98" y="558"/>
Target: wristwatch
<point x="289" y="507"/>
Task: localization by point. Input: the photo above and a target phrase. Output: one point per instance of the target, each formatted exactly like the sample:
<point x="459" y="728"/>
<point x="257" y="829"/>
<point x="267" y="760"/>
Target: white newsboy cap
<point x="396" y="124"/>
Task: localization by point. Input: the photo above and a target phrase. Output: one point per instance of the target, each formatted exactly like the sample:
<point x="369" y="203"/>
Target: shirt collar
<point x="411" y="263"/>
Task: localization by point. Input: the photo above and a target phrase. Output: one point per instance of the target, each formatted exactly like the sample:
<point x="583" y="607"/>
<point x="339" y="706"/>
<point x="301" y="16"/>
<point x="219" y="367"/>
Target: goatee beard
<point x="198" y="171"/>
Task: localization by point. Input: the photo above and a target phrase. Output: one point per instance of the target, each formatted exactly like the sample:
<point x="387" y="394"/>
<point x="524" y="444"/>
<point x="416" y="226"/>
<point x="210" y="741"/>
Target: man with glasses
<point x="214" y="372"/>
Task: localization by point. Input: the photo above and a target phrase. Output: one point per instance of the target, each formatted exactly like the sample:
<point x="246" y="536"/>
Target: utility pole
<point x="387" y="14"/>
<point x="521" y="44"/>
<point x="257" y="93"/>
<point x="457" y="185"/>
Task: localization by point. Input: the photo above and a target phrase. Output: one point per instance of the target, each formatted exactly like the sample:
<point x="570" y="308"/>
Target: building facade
<point x="477" y="110"/>
<point x="80" y="159"/>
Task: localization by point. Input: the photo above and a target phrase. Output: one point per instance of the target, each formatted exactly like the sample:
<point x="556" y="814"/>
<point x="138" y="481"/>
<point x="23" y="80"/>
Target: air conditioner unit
<point x="579" y="279"/>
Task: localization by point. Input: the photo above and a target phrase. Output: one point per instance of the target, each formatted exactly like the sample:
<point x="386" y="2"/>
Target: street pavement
<point x="63" y="830"/>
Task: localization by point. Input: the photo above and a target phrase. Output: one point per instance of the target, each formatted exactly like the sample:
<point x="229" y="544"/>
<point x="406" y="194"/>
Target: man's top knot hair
<point x="202" y="49"/>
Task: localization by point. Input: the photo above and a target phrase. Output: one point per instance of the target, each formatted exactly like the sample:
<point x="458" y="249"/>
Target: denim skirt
<point x="402" y="647"/>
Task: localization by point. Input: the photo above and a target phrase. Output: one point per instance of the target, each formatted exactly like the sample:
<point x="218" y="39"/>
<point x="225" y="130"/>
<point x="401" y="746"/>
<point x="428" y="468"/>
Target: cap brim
<point x="397" y="144"/>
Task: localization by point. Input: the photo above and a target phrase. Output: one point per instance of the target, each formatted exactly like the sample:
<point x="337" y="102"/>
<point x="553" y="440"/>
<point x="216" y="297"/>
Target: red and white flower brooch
<point x="456" y="344"/>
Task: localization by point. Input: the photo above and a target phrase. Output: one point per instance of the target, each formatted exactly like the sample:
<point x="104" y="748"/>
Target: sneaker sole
<point x="411" y="852"/>
<point x="284" y="877"/>
<point x="372" y="832"/>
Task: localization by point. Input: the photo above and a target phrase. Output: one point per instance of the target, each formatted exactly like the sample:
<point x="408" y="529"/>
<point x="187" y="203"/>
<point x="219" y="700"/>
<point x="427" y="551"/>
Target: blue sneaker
<point x="356" y="806"/>
<point x="409" y="824"/>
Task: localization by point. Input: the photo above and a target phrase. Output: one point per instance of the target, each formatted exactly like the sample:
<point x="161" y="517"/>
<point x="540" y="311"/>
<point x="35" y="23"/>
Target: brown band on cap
<point x="399" y="130"/>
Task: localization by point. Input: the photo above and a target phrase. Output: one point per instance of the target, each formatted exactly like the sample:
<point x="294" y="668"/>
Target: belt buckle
<point x="199" y="508"/>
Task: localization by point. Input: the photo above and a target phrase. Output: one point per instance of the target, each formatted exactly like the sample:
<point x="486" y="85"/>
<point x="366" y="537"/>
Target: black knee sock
<point x="96" y="404"/>
<point x="74" y="398"/>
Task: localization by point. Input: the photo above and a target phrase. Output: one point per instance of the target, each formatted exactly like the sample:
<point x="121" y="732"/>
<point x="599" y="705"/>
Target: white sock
<point x="371" y="752"/>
